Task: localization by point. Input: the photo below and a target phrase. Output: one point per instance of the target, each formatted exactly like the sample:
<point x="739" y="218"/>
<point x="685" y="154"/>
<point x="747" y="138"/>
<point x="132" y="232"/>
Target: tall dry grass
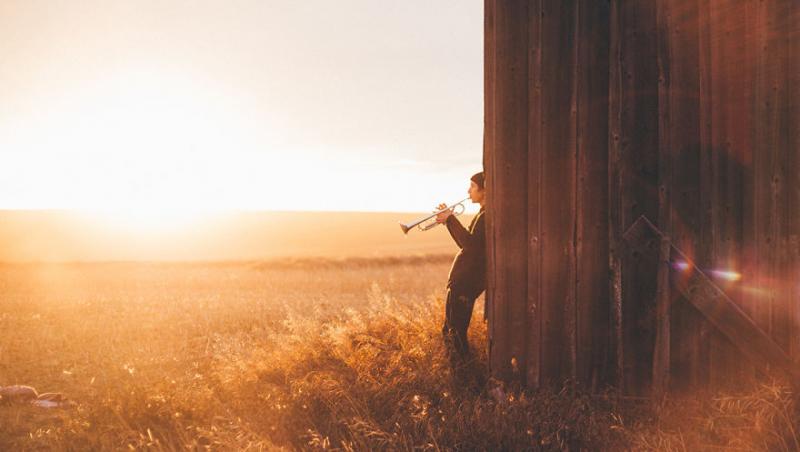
<point x="305" y="354"/>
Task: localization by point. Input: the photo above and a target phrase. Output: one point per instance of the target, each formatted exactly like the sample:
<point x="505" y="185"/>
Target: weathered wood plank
<point x="488" y="164"/>
<point x="723" y="191"/>
<point x="762" y="165"/>
<point x="592" y="302"/>
<point x="792" y="117"/>
<point x="510" y="198"/>
<point x="708" y="213"/>
<point x="534" y="301"/>
<point x="558" y="184"/>
<point x="782" y="20"/>
<point x="679" y="147"/>
<point x="615" y="353"/>
<point x="639" y="158"/>
<point x="666" y="160"/>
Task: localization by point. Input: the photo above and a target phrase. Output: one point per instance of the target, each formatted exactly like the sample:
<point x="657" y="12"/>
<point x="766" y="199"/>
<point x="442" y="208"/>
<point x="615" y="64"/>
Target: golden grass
<point x="304" y="354"/>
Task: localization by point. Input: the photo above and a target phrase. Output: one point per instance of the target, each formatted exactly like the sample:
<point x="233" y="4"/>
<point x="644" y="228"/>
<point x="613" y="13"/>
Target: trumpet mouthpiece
<point x="404" y="228"/>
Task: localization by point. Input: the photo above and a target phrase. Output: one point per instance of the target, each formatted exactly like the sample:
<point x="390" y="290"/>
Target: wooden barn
<point x="643" y="181"/>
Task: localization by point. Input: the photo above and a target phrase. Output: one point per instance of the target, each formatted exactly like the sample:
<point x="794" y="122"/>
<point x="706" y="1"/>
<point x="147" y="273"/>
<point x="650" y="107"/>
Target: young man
<point x="467" y="277"/>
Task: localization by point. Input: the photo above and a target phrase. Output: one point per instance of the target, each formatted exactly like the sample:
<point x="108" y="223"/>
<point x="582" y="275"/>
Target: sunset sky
<point x="274" y="105"/>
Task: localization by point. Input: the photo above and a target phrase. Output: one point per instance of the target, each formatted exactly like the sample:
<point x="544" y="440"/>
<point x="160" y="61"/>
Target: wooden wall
<point x="546" y="164"/>
<point x="685" y="111"/>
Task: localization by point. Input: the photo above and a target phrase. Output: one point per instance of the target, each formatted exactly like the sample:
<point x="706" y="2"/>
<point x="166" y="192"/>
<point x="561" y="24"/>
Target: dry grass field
<point x="305" y="354"/>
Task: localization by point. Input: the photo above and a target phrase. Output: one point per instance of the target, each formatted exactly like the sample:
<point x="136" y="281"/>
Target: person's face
<point x="476" y="193"/>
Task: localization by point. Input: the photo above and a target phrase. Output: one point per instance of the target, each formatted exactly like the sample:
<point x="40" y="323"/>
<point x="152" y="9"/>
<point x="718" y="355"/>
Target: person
<point x="467" y="277"/>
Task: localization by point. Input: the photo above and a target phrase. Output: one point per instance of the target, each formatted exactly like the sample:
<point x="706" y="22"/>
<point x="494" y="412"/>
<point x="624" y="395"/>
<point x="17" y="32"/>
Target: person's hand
<point x="442" y="217"/>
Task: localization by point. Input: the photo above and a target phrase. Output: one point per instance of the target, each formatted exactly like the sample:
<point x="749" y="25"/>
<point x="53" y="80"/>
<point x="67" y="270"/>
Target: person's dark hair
<point x="478" y="179"/>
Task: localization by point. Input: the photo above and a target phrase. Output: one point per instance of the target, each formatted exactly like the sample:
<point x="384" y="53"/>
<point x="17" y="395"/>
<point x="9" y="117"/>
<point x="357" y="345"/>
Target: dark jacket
<point x="469" y="267"/>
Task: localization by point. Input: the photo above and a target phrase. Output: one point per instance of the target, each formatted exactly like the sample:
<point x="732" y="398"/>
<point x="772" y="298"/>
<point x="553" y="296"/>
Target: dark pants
<point x="458" y="312"/>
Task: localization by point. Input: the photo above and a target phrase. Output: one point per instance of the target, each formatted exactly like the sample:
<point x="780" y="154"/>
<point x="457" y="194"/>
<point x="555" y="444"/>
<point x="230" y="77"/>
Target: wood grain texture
<point x="591" y="241"/>
<point x="509" y="198"/>
<point x="615" y="354"/>
<point x="684" y="111"/>
<point x="639" y="160"/>
<point x="714" y="304"/>
<point x="533" y="332"/>
<point x="558" y="182"/>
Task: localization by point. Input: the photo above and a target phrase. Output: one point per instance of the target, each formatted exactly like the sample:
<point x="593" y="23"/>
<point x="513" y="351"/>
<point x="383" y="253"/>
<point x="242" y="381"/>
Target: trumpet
<point x="419" y="223"/>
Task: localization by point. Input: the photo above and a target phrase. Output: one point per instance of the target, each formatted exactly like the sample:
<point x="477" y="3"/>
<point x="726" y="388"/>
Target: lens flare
<point x="681" y="265"/>
<point x="727" y="275"/>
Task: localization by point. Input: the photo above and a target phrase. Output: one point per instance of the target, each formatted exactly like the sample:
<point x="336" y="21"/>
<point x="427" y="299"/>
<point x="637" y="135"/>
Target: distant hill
<point x="66" y="236"/>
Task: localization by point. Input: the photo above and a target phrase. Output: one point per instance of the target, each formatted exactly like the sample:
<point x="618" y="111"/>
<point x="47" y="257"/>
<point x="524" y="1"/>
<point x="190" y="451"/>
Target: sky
<point x="370" y="105"/>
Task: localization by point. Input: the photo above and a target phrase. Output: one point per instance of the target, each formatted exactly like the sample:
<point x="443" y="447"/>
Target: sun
<point x="153" y="144"/>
